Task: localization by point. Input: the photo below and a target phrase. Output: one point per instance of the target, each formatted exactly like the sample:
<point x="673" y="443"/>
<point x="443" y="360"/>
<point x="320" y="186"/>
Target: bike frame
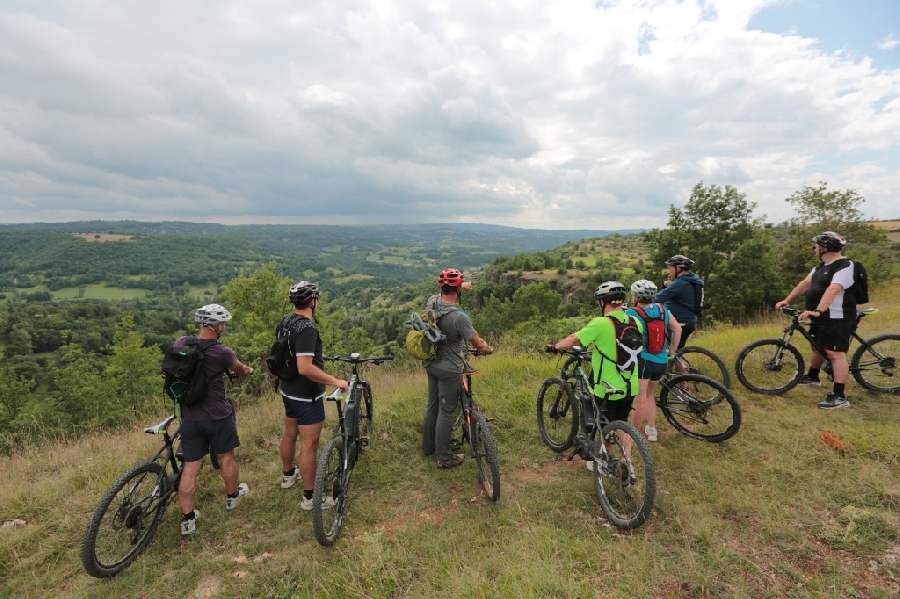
<point x="796" y="325"/>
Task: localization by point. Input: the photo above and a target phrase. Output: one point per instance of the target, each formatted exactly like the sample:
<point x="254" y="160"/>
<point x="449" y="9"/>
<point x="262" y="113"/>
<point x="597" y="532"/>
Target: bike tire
<point x="124" y="521"/>
<point x="557" y="414"/>
<point x="769" y="367"/>
<point x="331" y="481"/>
<point x="699" y="360"/>
<point x="626" y="495"/>
<point x="700" y="407"/>
<point x="485" y="452"/>
<point x="875" y="366"/>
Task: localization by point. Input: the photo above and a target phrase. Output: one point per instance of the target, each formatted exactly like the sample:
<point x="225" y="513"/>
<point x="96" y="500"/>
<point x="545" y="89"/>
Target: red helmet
<point x="450" y="277"/>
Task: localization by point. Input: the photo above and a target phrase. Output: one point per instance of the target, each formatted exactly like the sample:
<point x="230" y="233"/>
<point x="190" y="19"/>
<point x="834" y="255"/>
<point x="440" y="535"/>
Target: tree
<point x="133" y="376"/>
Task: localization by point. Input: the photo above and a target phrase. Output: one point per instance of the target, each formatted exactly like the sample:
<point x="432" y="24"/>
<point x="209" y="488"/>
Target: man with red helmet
<point x="831" y="312"/>
<point x="445" y="373"/>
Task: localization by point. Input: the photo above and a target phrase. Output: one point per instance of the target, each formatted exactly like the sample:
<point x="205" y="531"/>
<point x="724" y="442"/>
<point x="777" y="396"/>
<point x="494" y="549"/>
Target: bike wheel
<point x="330" y="487"/>
<point x="485" y="451"/>
<point x="700" y="407"/>
<point x="769" y="366"/>
<point x="124" y="521"/>
<point x="557" y="414"/>
<point x="699" y="360"/>
<point x="366" y="426"/>
<point x="624" y="476"/>
<point x="875" y="366"/>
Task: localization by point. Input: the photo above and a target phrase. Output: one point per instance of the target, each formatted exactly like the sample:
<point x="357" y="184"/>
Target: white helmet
<point x="211" y="314"/>
<point x="644" y="289"/>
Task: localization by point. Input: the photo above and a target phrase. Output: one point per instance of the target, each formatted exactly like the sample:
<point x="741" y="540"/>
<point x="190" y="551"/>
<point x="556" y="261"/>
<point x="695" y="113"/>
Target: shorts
<point x="833" y="335"/>
<point x="619" y="409"/>
<point x="304" y="412"/>
<point x="199" y="437"/>
<point x="652" y="371"/>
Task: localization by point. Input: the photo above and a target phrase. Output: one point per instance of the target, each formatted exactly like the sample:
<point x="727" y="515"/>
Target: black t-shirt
<point x="305" y="341"/>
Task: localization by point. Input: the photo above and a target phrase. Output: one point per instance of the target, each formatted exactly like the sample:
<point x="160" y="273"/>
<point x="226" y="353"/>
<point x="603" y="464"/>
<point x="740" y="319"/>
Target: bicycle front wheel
<point x="557" y="414"/>
<point x="624" y="476"/>
<point x="124" y="521"/>
<point x="700" y="407"/>
<point x="330" y="492"/>
<point x="485" y="451"/>
<point x="874" y="366"/>
<point x="769" y="367"/>
<point x="699" y="360"/>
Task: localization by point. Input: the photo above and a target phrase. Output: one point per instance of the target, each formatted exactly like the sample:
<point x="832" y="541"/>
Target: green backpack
<point x="423" y="342"/>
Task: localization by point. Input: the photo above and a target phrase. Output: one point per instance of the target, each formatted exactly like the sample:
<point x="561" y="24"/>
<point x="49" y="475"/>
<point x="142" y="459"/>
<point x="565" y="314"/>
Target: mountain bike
<point x="470" y="426"/>
<point x="774" y="366"/>
<point x="350" y="438"/>
<point x="699" y="360"/>
<point x="624" y="475"/>
<point x="698" y="406"/>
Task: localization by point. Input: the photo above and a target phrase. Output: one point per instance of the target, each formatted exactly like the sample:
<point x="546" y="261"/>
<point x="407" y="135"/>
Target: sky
<point x="537" y="114"/>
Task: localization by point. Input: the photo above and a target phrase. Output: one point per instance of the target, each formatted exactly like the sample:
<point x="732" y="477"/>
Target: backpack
<point x="185" y="377"/>
<point x="860" y="286"/>
<point x="280" y="360"/>
<point x="424" y="339"/>
<point x="699" y="298"/>
<point x="655" y="329"/>
<point x="629" y="344"/>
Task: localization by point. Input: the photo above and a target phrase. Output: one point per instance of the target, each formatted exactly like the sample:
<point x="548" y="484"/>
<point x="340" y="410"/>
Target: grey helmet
<point x="644" y="289"/>
<point x="610" y="291"/>
<point x="302" y="292"/>
<point x="211" y="314"/>
<point x="680" y="261"/>
<point x="830" y="240"/>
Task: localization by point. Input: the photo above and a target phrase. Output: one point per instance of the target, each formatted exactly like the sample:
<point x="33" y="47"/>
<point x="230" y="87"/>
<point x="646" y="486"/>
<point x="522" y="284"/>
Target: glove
<point x="550" y="348"/>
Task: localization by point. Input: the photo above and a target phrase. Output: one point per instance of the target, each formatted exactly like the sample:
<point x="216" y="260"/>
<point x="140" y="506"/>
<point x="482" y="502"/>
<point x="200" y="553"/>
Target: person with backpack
<point x="210" y="425"/>
<point x="659" y="349"/>
<point x="683" y="295"/>
<point x="445" y="372"/>
<point x="303" y="395"/>
<point x="610" y="360"/>
<point x="831" y="310"/>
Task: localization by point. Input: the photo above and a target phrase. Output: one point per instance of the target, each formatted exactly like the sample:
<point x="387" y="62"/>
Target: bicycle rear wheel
<point x="485" y="451"/>
<point x="769" y="366"/>
<point x="624" y="476"/>
<point x="557" y="414"/>
<point x="124" y="521"/>
<point x="875" y="366"/>
<point x="700" y="407"/>
<point x="699" y="360"/>
<point x="329" y="498"/>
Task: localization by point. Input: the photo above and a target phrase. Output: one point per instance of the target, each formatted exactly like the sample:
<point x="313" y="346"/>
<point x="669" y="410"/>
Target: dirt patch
<point x="103" y="237"/>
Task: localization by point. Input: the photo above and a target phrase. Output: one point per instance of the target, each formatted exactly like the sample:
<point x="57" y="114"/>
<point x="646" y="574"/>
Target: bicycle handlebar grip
<point x="550" y="348"/>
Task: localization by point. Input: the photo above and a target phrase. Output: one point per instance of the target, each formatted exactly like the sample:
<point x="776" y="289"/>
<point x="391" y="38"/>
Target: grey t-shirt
<point x="457" y="326"/>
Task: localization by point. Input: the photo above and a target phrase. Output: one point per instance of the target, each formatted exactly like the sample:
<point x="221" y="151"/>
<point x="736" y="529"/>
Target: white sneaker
<point x="288" y="481"/>
<point x="651" y="433"/>
<point x="189" y="527"/>
<point x="306" y="504"/>
<point x="231" y="502"/>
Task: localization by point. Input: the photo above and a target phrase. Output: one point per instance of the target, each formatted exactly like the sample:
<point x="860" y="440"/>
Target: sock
<point x="188" y="516"/>
<point x="813" y="373"/>
<point x="839" y="389"/>
<point x="289" y="472"/>
<point x="307" y="494"/>
<point x="233" y="495"/>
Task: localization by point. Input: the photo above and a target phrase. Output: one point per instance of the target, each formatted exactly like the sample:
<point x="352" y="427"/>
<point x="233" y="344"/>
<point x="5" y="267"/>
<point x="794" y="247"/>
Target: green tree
<point x="133" y="379"/>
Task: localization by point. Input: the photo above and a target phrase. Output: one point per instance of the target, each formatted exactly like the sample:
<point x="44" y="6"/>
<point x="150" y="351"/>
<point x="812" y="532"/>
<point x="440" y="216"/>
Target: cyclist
<point x="680" y="295"/>
<point x="303" y="396"/>
<point x="651" y="366"/>
<point x="600" y="333"/>
<point x="445" y="373"/>
<point x="210" y="425"/>
<point x="831" y="312"/>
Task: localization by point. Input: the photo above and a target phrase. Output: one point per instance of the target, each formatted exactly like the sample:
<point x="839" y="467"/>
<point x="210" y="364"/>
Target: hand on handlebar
<point x="550" y="348"/>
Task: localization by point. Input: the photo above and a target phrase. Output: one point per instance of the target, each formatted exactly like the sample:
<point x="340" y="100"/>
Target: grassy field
<point x="801" y="503"/>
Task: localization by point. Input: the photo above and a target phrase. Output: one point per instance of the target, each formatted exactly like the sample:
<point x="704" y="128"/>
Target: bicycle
<point x="624" y="479"/>
<point x="471" y="427"/>
<point x="774" y="366"/>
<point x="698" y="406"/>
<point x="350" y="438"/>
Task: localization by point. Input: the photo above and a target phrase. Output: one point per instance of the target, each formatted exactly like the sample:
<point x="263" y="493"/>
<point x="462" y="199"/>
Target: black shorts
<point x="202" y="436"/>
<point x="619" y="409"/>
<point x="832" y="334"/>
<point x="304" y="412"/>
<point x="651" y="371"/>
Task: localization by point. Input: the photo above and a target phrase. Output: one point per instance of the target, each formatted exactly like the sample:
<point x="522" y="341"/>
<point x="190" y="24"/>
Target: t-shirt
<point x="305" y="341"/>
<point x="652" y="311"/>
<point x="602" y="334"/>
<point x="457" y="326"/>
<point x="822" y="276"/>
<point x="216" y="359"/>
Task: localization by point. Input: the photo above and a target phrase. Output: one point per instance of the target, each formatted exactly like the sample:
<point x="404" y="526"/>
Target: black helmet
<point x="303" y="292"/>
<point x="831" y="241"/>
<point x="679" y="261"/>
<point x="610" y="291"/>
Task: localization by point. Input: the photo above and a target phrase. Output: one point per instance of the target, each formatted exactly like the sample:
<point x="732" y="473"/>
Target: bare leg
<point x="309" y="449"/>
<point x="288" y="447"/>
<point x="187" y="486"/>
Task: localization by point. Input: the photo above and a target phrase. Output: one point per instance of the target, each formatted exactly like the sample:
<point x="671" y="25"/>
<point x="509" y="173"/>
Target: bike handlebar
<point x="358" y="359"/>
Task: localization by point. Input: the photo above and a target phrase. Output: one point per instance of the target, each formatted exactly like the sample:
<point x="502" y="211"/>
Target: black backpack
<point x="629" y="344"/>
<point x="860" y="288"/>
<point x="280" y="360"/>
<point x="699" y="298"/>
<point x="185" y="376"/>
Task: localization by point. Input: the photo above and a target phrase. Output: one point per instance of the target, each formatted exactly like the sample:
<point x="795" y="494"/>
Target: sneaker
<point x="306" y="504"/>
<point x="288" y="481"/>
<point x="805" y="380"/>
<point x="453" y="462"/>
<point x="231" y="502"/>
<point x="651" y="433"/>
<point x="189" y="527"/>
<point x="833" y="401"/>
<point x="589" y="465"/>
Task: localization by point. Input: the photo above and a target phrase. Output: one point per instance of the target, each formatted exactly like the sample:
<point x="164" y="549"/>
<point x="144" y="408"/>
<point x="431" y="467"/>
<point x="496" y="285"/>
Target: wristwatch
<point x="818" y="312"/>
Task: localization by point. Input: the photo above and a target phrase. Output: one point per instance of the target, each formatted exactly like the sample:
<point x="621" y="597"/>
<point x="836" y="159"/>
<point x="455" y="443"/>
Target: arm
<point x="827" y="298"/>
<point x="481" y="345"/>
<point x="306" y="367"/>
<point x="569" y="342"/>
<point x="240" y="368"/>
<point x="799" y="290"/>
<point x="675" y="330"/>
